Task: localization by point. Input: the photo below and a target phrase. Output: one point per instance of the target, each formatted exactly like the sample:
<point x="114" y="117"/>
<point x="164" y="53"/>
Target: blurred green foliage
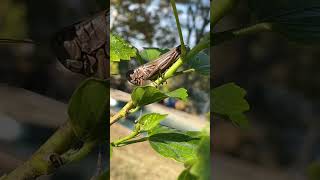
<point x="313" y="171"/>
<point x="12" y="19"/>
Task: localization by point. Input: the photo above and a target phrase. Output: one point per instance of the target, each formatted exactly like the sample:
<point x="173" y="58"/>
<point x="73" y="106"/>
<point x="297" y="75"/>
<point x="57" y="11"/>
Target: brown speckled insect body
<point x="151" y="70"/>
<point x="84" y="46"/>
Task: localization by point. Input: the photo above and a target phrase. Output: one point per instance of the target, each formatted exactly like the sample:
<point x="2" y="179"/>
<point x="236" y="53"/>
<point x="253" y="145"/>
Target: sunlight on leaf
<point x="150" y="54"/>
<point x="150" y="121"/>
<point x="173" y="144"/>
<point x="146" y="95"/>
<point x="202" y="166"/>
<point x="180" y="93"/>
<point x="186" y="175"/>
<point x="120" y="49"/>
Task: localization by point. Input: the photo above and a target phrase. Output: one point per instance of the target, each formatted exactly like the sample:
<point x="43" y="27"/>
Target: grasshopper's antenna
<point x="12" y="41"/>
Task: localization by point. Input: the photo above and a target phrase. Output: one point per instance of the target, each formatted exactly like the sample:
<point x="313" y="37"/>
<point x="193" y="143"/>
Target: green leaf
<point x="180" y="93"/>
<point x="146" y="95"/>
<point x="88" y="109"/>
<point x="239" y="119"/>
<point x="186" y="175"/>
<point x="229" y="100"/>
<point x="120" y="49"/>
<point x="299" y="20"/>
<point x="150" y="121"/>
<point x="174" y="144"/>
<point x="199" y="168"/>
<point x="160" y="129"/>
<point x="200" y="63"/>
<point x="202" y="167"/>
<point x="150" y="54"/>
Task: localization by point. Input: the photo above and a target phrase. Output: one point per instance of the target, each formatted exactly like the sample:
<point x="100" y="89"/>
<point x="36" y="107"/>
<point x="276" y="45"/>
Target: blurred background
<point x="34" y="87"/>
<point x="282" y="84"/>
<point x="146" y="24"/>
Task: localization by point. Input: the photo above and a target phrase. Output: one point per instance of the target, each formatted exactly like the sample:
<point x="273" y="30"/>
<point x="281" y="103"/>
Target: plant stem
<point x="175" y="12"/>
<point x="126" y="138"/>
<point x="133" y="141"/>
<point x="122" y="113"/>
<point x="39" y="163"/>
<point x="183" y="72"/>
<point x="169" y="73"/>
<point x="218" y="38"/>
<point x="83" y="152"/>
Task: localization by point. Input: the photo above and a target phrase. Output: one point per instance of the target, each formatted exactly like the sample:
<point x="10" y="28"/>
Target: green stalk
<point x="220" y="37"/>
<point x="39" y="163"/>
<point x="126" y="138"/>
<point x="175" y="12"/>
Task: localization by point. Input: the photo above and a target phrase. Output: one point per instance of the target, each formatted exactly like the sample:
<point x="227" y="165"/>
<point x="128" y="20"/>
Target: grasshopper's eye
<point x="178" y="48"/>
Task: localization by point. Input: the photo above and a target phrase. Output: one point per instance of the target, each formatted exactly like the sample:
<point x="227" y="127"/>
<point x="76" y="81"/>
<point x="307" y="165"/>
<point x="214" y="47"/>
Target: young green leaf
<point x="239" y="119"/>
<point x="160" y="129"/>
<point x="150" y="54"/>
<point x="120" y="49"/>
<point x="200" y="63"/>
<point x="146" y="95"/>
<point x="229" y="100"/>
<point x="150" y="121"/>
<point x="186" y="175"/>
<point x="180" y="146"/>
<point x="88" y="109"/>
<point x="202" y="166"/>
<point x="180" y="93"/>
<point x="177" y="146"/>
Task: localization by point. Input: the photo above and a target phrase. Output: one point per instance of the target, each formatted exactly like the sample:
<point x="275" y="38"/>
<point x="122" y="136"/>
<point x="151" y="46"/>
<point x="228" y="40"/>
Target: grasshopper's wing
<point x="162" y="63"/>
<point x="84" y="46"/>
